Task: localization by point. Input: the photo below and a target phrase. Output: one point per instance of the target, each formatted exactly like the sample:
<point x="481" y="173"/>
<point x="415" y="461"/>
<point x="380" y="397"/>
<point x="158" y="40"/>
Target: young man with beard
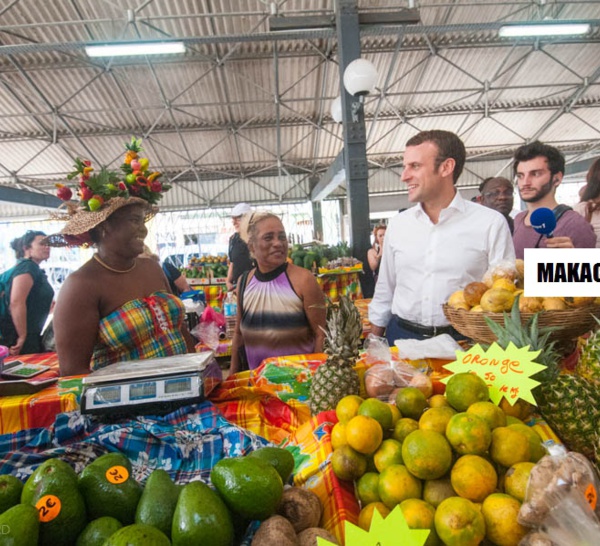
<point x="497" y="193"/>
<point x="436" y="247"/>
<point x="539" y="169"/>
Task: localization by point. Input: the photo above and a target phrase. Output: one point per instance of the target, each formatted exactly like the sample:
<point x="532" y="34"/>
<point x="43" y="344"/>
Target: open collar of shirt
<point x="456" y="206"/>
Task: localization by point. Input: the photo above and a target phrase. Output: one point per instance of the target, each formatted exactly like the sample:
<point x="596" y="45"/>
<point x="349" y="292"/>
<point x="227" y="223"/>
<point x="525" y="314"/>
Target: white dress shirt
<point x="423" y="263"/>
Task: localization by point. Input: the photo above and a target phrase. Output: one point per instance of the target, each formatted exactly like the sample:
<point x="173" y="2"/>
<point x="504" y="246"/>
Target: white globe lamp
<point x="360" y="77"/>
<point x="336" y="109"/>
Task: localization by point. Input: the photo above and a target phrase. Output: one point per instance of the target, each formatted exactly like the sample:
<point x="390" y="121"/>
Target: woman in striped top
<point x="281" y="308"/>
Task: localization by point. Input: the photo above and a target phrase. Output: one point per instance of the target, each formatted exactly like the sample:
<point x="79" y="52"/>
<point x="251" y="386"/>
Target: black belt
<point x="430" y="331"/>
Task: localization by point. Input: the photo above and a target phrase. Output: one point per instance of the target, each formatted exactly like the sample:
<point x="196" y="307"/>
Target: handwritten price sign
<point x="390" y="531"/>
<point x="507" y="372"/>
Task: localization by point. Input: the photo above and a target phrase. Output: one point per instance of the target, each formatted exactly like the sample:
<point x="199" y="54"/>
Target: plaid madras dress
<point x="140" y="329"/>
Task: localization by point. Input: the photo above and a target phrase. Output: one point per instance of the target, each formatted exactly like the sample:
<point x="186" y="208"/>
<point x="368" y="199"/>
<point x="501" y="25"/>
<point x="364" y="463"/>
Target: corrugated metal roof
<point x="244" y="115"/>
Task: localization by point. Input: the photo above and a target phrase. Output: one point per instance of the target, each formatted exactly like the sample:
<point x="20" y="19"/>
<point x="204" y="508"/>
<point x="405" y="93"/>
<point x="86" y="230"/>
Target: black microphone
<point x="543" y="221"/>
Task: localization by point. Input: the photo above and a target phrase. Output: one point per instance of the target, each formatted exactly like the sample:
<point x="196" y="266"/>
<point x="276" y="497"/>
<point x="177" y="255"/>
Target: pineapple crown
<point x="530" y="334"/>
<point x="344" y="328"/>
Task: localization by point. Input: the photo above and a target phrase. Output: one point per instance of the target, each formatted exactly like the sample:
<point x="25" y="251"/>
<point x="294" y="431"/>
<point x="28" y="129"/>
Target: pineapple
<point x="568" y="402"/>
<point x="336" y="377"/>
<point x="589" y="361"/>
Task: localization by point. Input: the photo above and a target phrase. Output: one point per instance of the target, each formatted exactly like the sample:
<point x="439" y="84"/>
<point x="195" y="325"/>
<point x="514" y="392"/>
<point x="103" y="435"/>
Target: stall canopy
<point x="244" y="113"/>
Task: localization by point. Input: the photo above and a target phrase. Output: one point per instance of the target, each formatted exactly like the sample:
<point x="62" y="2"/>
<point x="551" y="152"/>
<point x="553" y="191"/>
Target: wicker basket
<point x="570" y="323"/>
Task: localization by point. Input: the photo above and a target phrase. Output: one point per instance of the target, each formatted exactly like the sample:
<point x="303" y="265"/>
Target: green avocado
<point x="109" y="489"/>
<point x="52" y="489"/>
<point x="98" y="531"/>
<point x="280" y="459"/>
<point x="201" y="517"/>
<point x="10" y="492"/>
<point x="19" y="526"/>
<point x="158" y="501"/>
<point x="138" y="534"/>
<point x="250" y="487"/>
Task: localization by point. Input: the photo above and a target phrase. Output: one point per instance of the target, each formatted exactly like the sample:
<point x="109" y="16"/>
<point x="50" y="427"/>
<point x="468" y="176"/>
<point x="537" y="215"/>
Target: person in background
<point x="436" y="247"/>
<point x="177" y="281"/>
<point x="539" y="169"/>
<point x="29" y="295"/>
<point x="238" y="253"/>
<point x="589" y="206"/>
<point x="375" y="252"/>
<point x="281" y="307"/>
<point x="498" y="193"/>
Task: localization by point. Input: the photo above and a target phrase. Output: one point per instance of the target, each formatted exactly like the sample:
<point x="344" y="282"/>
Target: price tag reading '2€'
<point x="117" y="474"/>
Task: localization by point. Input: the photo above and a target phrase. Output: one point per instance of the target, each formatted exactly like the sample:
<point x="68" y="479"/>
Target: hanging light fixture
<point x="544" y="28"/>
<point x="134" y="48"/>
<point x="360" y="78"/>
<point x="336" y="109"/>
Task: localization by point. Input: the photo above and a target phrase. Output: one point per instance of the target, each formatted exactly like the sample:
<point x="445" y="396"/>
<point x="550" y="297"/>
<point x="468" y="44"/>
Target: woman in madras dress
<point x="117" y="306"/>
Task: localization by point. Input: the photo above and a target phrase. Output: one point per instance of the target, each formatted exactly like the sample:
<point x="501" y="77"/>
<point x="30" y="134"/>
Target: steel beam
<point x="330" y="180"/>
<point x="14" y="195"/>
<point x="354" y="133"/>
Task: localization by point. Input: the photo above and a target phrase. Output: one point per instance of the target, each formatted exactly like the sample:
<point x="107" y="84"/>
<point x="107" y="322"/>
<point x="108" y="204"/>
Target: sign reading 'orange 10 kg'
<point x="507" y="372"/>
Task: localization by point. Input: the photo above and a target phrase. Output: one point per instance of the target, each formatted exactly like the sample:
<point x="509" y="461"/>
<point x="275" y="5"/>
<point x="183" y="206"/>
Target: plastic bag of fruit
<point x="384" y="375"/>
<point x="561" y="498"/>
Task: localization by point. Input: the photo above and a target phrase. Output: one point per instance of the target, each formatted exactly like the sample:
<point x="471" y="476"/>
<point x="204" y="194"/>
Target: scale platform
<point x="142" y="387"/>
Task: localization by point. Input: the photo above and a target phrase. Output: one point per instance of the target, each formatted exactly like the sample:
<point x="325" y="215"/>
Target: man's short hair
<point x="449" y="146"/>
<point x="489" y="179"/>
<point x="555" y="158"/>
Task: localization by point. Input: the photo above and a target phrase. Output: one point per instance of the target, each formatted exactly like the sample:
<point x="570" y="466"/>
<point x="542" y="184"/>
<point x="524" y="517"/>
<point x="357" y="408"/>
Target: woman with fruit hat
<point x="117" y="306"/>
<point x="281" y="308"/>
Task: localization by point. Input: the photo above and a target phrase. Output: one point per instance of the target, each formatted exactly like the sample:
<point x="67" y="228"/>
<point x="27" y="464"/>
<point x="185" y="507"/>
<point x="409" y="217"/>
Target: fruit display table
<point x="37" y="410"/>
<point x="340" y="283"/>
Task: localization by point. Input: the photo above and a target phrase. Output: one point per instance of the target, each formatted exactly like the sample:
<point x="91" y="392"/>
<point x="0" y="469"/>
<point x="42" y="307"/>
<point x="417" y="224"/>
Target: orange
<point x="464" y="389"/>
<point x="510" y="420"/>
<point x="436" y="419"/>
<point x="516" y="480"/>
<point x="378" y="410"/>
<point x="338" y="435"/>
<point x="411" y="402"/>
<point x="364" y="434"/>
<point x="403" y="428"/>
<point x="473" y="477"/>
<point x="468" y="434"/>
<point x="459" y="522"/>
<point x="427" y="454"/>
<point x="389" y="452"/>
<point x="348" y="464"/>
<point x="536" y="449"/>
<point x="396" y="484"/>
<point x="396" y="416"/>
<point x="420" y="515"/>
<point x="367" y="488"/>
<point x="435" y="491"/>
<point x="500" y="514"/>
<point x="347" y="407"/>
<point x="509" y="446"/>
<point x="366" y="514"/>
<point x="438" y="400"/>
<point x="489" y="412"/>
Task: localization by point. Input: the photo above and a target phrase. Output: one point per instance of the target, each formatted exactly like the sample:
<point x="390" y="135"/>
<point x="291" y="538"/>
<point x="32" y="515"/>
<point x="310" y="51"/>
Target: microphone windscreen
<point x="543" y="221"/>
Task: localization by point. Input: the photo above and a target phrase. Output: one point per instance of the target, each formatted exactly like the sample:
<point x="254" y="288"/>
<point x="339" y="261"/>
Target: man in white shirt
<point x="436" y="247"/>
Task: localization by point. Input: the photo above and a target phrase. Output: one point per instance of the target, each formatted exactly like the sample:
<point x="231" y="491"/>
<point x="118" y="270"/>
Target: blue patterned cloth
<point x="186" y="443"/>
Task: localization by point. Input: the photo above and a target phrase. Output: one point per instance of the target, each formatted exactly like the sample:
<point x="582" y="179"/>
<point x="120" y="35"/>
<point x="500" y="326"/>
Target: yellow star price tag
<point x="390" y="531"/>
<point x="507" y="372"/>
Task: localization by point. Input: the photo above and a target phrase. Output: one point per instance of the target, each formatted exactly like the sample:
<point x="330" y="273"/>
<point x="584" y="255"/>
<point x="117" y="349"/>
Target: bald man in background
<point x="498" y="193"/>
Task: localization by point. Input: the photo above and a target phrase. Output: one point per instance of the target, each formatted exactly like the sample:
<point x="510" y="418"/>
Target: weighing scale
<point x="153" y="386"/>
